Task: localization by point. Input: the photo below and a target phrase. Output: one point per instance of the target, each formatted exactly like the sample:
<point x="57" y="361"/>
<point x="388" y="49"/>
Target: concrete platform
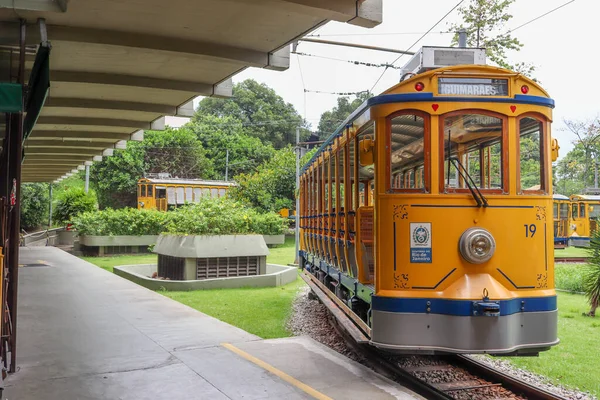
<point x="84" y="333"/>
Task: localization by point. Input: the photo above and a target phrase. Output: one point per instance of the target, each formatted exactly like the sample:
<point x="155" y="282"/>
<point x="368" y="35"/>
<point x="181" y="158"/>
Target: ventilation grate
<point x="223" y="267"/>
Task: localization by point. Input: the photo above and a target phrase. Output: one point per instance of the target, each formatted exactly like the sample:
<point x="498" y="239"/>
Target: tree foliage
<point x="174" y="151"/>
<point x="271" y="187"/>
<point x="72" y="203"/>
<point x="330" y="120"/>
<point x="220" y="134"/>
<point x="262" y="113"/>
<point x="485" y="23"/>
<point x="34" y="205"/>
<point x="576" y="170"/>
<point x="591" y="275"/>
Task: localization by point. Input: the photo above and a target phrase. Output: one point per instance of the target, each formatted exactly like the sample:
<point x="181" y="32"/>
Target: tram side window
<point x="366" y="173"/>
<point x="143" y="191"/>
<point x="582" y="210"/>
<point x="352" y="181"/>
<point x="564" y="211"/>
<point x="555" y="210"/>
<point x="595" y="211"/>
<point x="406" y="152"/>
<point x="473" y="143"/>
<point x="531" y="160"/>
<point x="574" y="210"/>
<point x="150" y="191"/>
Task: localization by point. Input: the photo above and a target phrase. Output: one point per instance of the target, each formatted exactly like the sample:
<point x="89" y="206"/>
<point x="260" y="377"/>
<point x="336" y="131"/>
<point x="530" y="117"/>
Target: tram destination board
<point x="473" y="86"/>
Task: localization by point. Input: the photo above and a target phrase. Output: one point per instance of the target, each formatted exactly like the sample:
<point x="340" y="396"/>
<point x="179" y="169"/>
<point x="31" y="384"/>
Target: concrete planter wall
<point x="101" y="245"/>
<point x="66" y="238"/>
<point x="276" y="275"/>
<point x="144" y="240"/>
<point x="274" y="239"/>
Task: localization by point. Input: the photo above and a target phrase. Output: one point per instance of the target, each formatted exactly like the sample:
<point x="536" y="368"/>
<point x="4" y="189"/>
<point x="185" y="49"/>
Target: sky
<point x="561" y="45"/>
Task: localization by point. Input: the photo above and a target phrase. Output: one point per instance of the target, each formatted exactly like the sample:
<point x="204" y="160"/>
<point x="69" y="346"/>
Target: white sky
<point x="561" y="45"/>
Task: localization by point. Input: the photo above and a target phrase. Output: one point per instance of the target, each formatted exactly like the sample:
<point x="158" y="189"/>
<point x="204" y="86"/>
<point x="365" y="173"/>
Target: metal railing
<point x="47" y="237"/>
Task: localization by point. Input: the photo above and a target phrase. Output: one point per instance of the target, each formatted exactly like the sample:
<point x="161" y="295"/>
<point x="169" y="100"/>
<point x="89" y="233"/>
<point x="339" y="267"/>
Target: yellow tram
<point x="561" y="208"/>
<point x="428" y="212"/>
<point x="163" y="193"/>
<point x="583" y="222"/>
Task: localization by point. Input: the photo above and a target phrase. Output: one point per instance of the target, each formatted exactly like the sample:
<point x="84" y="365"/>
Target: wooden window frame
<point x="504" y="160"/>
<point x="426" y="153"/>
<point x="543" y="157"/>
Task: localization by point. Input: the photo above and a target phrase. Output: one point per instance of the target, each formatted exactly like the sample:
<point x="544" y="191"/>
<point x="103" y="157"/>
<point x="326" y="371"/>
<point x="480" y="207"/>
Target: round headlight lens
<point x="477" y="245"/>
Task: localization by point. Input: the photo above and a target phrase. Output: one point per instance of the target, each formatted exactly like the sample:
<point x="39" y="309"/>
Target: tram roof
<point x="177" y="181"/>
<point x="591" y="197"/>
<point x="559" y="197"/>
<point x="118" y="67"/>
<point x="389" y="97"/>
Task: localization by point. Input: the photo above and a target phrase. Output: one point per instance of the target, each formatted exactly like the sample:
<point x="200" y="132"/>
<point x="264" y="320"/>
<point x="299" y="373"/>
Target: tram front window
<point x="406" y="152"/>
<point x="531" y="150"/>
<point x="475" y="141"/>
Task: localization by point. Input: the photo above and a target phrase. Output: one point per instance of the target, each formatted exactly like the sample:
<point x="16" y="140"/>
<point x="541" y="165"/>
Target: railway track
<point x="571" y="259"/>
<point x="433" y="377"/>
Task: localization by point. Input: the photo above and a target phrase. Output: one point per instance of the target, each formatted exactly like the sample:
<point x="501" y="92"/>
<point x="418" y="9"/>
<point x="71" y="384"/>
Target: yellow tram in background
<point x="165" y="193"/>
<point x="427" y="213"/>
<point x="583" y="218"/>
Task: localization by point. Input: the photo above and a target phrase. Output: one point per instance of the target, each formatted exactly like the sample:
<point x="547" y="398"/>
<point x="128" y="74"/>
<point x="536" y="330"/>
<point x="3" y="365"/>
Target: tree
<point x="34" y="205"/>
<point x="218" y="135"/>
<point x="72" y="203"/>
<point x="174" y="151"/>
<point x="484" y="21"/>
<point x="576" y="171"/>
<point x="263" y="114"/>
<point x="272" y="186"/>
<point x="330" y="120"/>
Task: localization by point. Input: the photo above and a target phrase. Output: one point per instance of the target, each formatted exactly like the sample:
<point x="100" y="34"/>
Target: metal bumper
<point x="524" y="333"/>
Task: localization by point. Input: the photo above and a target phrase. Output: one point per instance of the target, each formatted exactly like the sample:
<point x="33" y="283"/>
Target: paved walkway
<point x="84" y="333"/>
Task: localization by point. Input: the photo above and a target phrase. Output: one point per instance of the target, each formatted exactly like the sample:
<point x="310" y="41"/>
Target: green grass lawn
<point x="260" y="311"/>
<point x="283" y="254"/>
<point x="575" y="361"/>
<point x="571" y="252"/>
<point x="109" y="262"/>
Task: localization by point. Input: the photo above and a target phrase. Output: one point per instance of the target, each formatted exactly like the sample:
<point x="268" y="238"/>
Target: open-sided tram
<point x="429" y="211"/>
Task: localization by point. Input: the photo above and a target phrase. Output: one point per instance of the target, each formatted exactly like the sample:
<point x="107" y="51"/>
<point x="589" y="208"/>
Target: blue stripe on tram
<point x="461" y="307"/>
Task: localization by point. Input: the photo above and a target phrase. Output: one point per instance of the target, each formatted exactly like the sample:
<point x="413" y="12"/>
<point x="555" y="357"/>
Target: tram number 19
<point x="530" y="230"/>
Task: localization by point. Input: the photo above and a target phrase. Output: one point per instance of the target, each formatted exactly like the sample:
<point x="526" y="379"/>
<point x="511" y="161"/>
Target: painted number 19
<point x="530" y="230"/>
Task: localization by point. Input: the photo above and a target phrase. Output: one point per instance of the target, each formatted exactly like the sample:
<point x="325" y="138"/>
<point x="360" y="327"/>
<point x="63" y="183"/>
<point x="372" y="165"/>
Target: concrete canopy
<point x="117" y="67"/>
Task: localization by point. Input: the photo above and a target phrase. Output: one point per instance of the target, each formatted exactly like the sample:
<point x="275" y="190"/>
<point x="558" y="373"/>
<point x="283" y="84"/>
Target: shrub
<point x="34" y="205"/>
<point x="569" y="276"/>
<point x="72" y="203"/>
<point x="124" y="221"/>
<point x="209" y="217"/>
<point x="591" y="277"/>
<point x="223" y="216"/>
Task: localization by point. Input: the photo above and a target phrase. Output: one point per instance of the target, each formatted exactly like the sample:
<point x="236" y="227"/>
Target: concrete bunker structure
<point x="207" y="257"/>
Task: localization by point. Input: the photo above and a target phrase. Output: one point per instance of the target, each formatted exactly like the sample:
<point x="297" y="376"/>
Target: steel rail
<point x="381" y="363"/>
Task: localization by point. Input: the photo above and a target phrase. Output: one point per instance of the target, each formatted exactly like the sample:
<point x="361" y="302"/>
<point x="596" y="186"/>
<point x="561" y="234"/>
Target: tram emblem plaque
<point x="420" y="242"/>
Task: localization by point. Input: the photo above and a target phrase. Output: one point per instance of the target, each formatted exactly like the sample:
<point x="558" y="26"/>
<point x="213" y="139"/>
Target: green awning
<point x="39" y="85"/>
<point x="11" y="97"/>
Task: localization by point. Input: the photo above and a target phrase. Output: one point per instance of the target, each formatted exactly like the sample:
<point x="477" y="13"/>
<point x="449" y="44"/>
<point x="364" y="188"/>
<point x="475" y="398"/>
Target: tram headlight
<point x="477" y="245"/>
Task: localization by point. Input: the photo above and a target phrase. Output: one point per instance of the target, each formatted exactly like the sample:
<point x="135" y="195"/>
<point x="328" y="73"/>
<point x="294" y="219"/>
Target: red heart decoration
<point x="513" y="108"/>
<point x="435" y="107"/>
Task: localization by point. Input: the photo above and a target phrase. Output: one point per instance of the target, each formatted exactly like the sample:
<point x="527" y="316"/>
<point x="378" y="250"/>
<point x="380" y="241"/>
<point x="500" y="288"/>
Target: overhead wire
<point x="417" y="41"/>
<point x="543" y="15"/>
<point x="355" y="62"/>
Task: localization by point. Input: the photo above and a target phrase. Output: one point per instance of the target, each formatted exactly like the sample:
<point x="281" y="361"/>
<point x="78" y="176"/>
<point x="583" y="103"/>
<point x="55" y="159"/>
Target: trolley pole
<point x="297" y="227"/>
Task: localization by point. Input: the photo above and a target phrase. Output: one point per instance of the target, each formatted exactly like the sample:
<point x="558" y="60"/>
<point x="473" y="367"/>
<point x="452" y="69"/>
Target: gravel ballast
<point x="311" y="318"/>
